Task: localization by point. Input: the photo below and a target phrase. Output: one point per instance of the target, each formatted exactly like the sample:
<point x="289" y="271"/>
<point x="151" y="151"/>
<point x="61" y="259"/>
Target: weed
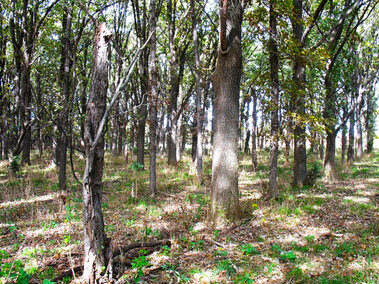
<point x="344" y="249"/>
<point x="248" y="249"/>
<point x="227" y="266"/>
<point x="197" y="245"/>
<point x="139" y="263"/>
<point x="295" y="273"/>
<point x="245" y="278"/>
<point x="166" y="250"/>
<point x="299" y="248"/>
<point x="290" y="256"/>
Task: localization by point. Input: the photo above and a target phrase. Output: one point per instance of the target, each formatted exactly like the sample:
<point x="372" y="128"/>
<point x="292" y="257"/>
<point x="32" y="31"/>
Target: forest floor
<point x="327" y="233"/>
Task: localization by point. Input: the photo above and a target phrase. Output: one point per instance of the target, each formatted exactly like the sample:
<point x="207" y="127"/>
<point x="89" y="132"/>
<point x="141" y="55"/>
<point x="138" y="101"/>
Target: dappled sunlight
<point x="47" y="197"/>
<point x="307" y="233"/>
<point x="357" y="199"/>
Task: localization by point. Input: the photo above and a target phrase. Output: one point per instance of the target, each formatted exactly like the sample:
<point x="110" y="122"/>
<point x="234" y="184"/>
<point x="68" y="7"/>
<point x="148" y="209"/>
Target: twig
<point x="14" y="260"/>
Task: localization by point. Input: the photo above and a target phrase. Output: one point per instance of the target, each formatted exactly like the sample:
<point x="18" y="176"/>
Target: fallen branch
<point x="116" y="252"/>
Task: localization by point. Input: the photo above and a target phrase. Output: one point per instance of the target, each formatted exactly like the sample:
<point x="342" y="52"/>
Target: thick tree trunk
<point x="96" y="244"/>
<point x="274" y="69"/>
<point x="226" y="81"/>
<point x="298" y="97"/>
<point x="199" y="109"/>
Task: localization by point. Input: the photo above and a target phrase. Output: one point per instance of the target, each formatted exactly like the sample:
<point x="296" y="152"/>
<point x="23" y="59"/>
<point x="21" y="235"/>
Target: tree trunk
<point x="350" y="149"/>
<point x="254" y="154"/>
<point x="330" y="163"/>
<point x="65" y="80"/>
<point x="247" y="142"/>
<point x="142" y="113"/>
<point x="199" y="112"/>
<point x="359" y="136"/>
<point x="226" y="82"/>
<point x="370" y="122"/>
<point x="343" y="144"/>
<point x="330" y="117"/>
<point x="97" y="247"/>
<point x="274" y="69"/>
<point x="298" y="98"/>
<point x="153" y="102"/>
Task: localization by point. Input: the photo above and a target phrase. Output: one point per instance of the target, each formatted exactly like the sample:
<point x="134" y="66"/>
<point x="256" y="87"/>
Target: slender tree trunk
<point x="330" y="116"/>
<point x="344" y="133"/>
<point x="247" y="142"/>
<point x="343" y="144"/>
<point x="300" y="152"/>
<point x="153" y="102"/>
<point x="321" y="148"/>
<point x="350" y="149"/>
<point x="199" y="112"/>
<point x="226" y="82"/>
<point x="359" y="136"/>
<point x="370" y="122"/>
<point x="142" y="113"/>
<point x="65" y="73"/>
<point x="274" y="68"/>
<point x="97" y="247"/>
<point x="254" y="154"/>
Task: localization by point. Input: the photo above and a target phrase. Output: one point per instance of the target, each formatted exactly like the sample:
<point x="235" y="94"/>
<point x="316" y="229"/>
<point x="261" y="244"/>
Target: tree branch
<point x="116" y="94"/>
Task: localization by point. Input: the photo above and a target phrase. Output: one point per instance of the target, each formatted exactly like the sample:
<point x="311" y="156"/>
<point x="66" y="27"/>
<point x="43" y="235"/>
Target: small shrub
<point x="14" y="164"/>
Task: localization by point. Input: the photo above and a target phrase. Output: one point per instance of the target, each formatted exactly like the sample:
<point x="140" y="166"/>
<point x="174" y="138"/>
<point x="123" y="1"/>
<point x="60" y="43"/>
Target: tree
<point x="226" y="82"/>
<point x="274" y="70"/>
<point x="153" y="100"/>
<point x="199" y="119"/>
<point x="97" y="247"/>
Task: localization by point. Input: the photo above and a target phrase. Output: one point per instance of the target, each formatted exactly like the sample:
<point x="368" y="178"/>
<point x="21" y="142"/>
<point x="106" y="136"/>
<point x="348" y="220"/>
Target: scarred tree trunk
<point x="226" y="81"/>
<point x="274" y="68"/>
<point x="97" y="247"/>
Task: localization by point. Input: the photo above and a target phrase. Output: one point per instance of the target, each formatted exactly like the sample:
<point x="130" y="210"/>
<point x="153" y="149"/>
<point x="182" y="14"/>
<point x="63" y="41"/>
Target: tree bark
<point x="96" y="244"/>
<point x="199" y="110"/>
<point x="359" y="136"/>
<point x="350" y="149"/>
<point x="226" y="82"/>
<point x="254" y="154"/>
<point x="153" y="102"/>
<point x="298" y="98"/>
<point x="273" y="191"/>
<point x="65" y="80"/>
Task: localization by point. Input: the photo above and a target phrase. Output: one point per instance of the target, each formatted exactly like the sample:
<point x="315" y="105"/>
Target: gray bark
<point x="96" y="244"/>
<point x="226" y="82"/>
